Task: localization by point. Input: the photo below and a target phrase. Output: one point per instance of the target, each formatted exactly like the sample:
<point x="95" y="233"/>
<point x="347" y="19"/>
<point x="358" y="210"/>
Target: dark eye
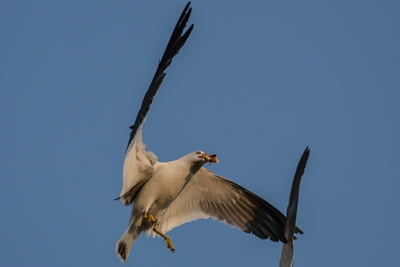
<point x="198" y="152"/>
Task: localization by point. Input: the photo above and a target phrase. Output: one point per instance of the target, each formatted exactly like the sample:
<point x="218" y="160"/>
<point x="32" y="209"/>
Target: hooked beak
<point x="210" y="158"/>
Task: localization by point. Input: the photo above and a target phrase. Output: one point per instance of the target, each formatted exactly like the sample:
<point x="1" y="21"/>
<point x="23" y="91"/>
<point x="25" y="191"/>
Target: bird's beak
<point x="210" y="158"/>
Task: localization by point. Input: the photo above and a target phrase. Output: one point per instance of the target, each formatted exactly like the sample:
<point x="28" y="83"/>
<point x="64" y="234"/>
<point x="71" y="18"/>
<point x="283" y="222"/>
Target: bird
<point x="165" y="195"/>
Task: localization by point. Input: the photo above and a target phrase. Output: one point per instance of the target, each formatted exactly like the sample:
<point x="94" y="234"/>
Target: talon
<point x="169" y="245"/>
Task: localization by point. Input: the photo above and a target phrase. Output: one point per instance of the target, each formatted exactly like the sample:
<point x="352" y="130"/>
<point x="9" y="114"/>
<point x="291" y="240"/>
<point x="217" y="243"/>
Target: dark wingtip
<point x="175" y="43"/>
<point x="187" y="5"/>
<point x="295" y="190"/>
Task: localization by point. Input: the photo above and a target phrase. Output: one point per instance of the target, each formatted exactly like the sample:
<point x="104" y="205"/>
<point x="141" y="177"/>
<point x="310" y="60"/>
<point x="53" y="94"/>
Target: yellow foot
<point x="169" y="244"/>
<point x="149" y="217"/>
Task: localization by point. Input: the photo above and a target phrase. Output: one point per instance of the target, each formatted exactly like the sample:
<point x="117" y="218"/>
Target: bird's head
<point x="201" y="157"/>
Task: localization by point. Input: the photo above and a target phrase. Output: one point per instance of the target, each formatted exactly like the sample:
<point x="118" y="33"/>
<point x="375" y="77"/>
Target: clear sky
<point x="256" y="83"/>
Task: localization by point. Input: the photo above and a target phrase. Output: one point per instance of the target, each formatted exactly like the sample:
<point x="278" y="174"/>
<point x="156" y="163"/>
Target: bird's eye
<point x="198" y="152"/>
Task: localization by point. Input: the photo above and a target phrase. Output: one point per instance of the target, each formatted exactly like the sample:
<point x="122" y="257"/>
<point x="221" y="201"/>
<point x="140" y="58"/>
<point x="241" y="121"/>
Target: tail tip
<point x="121" y="251"/>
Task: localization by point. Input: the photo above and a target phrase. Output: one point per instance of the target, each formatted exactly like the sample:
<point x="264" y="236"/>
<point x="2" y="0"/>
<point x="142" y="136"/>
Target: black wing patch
<point x="175" y="43"/>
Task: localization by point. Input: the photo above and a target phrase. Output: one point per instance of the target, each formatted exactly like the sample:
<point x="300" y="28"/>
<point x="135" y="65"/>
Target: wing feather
<point x="175" y="43"/>
<point x="139" y="163"/>
<point x="287" y="255"/>
<point x="209" y="195"/>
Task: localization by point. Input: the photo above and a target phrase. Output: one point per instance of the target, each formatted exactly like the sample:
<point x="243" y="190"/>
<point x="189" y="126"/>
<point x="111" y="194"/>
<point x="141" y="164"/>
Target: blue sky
<point x="256" y="83"/>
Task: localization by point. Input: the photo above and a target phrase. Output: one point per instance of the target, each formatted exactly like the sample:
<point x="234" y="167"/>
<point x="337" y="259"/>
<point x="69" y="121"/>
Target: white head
<point x="195" y="160"/>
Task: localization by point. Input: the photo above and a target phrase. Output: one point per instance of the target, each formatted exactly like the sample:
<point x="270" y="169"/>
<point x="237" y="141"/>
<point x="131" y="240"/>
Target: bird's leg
<point x="168" y="241"/>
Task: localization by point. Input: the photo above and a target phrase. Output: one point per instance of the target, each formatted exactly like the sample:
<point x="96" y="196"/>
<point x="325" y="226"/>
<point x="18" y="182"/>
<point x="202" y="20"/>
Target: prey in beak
<point x="210" y="158"/>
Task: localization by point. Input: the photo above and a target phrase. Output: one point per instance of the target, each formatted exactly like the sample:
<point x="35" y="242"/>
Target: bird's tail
<point x="124" y="244"/>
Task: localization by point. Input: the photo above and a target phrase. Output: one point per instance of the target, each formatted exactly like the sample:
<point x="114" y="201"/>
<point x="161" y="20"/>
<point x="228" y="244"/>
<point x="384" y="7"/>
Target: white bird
<point x="167" y="194"/>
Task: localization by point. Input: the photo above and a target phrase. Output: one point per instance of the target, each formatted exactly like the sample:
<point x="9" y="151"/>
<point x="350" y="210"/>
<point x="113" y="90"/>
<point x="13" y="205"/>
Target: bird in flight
<point x="165" y="195"/>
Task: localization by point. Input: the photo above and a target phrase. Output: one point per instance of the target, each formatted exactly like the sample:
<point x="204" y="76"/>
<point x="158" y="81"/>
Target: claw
<point x="169" y="245"/>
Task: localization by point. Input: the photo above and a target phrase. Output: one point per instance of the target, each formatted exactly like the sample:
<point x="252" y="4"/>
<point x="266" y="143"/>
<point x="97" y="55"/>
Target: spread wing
<point x="288" y="248"/>
<point x="138" y="163"/>
<point x="209" y="195"/>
